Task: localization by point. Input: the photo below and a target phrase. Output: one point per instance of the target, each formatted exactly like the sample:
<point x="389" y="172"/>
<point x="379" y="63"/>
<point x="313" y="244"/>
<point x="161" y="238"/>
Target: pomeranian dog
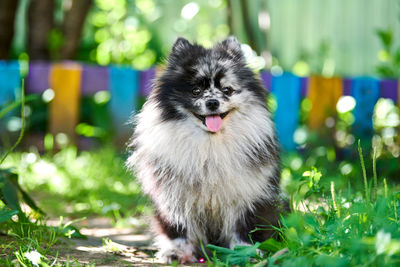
<point x="205" y="151"/>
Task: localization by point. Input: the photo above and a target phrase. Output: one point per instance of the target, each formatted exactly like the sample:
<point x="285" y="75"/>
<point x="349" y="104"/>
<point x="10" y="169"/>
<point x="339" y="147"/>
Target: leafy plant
<point x="389" y="55"/>
<point x="28" y="240"/>
<point x="10" y="188"/>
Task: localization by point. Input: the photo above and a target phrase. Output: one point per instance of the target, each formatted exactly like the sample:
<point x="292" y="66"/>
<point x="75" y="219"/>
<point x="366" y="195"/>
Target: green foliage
<point x="85" y="182"/>
<point x="318" y="62"/>
<point x="329" y="229"/>
<point x="240" y="255"/>
<point x="9" y="186"/>
<point x="27" y="238"/>
<point x="11" y="191"/>
<point x="389" y="55"/>
<point x="22" y="126"/>
<point x="6" y="214"/>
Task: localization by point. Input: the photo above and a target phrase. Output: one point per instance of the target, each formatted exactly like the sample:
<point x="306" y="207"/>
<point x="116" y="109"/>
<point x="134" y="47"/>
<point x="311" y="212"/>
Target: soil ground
<point x="105" y="245"/>
<point x="129" y="246"/>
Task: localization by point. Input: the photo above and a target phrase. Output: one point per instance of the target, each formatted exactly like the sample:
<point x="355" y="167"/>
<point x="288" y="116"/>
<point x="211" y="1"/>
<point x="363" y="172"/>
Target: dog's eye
<point x="196" y="91"/>
<point x="227" y="90"/>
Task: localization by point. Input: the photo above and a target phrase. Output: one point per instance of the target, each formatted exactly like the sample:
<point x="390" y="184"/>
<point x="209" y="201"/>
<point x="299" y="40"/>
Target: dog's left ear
<point x="181" y="44"/>
<point x="232" y="44"/>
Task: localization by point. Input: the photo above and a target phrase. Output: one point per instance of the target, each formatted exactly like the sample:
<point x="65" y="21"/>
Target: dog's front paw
<point x="172" y="256"/>
<point x="178" y="249"/>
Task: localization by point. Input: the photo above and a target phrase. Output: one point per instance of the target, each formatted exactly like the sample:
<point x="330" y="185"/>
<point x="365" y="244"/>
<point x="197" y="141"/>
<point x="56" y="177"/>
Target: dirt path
<point x="108" y="246"/>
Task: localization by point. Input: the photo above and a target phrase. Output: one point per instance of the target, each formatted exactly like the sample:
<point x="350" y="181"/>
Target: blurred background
<point x="81" y="59"/>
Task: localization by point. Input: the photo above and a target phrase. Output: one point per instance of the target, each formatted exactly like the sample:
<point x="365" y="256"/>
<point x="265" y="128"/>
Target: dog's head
<point x="207" y="86"/>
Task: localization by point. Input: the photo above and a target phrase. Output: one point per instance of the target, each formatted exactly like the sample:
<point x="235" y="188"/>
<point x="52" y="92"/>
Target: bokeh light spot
<point x="190" y="10"/>
<point x="345" y="104"/>
<point x="48" y="95"/>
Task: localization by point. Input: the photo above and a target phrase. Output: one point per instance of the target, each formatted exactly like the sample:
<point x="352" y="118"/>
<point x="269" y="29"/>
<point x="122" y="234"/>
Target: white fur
<point x="178" y="247"/>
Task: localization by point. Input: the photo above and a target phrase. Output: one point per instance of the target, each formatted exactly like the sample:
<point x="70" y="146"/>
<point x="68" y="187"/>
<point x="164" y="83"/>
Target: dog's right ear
<point x="233" y="47"/>
<point x="232" y="44"/>
<point x="180" y="45"/>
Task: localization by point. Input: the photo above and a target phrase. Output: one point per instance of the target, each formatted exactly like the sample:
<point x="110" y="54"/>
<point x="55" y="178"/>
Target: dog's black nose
<point x="212" y="104"/>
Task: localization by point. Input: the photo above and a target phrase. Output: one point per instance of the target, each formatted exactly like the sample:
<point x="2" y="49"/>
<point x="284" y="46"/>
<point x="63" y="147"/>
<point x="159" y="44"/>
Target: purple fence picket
<point x="389" y="89"/>
<point x="303" y="86"/>
<point x="38" y="77"/>
<point x="94" y="79"/>
<point x="347" y="84"/>
<point x="146" y="81"/>
<point x="266" y="78"/>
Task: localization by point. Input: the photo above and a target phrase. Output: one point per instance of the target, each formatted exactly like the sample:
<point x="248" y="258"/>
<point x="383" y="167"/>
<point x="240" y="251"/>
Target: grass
<point x="80" y="183"/>
<point x="336" y="220"/>
<point x="30" y="242"/>
<point x="71" y="184"/>
<point x="329" y="228"/>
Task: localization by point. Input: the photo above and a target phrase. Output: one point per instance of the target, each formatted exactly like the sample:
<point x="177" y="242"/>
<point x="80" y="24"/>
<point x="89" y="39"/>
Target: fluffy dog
<point x="205" y="151"/>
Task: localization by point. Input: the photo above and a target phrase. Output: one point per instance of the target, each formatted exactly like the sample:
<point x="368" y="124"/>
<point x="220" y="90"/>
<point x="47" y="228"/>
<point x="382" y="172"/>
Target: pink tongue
<point x="213" y="123"/>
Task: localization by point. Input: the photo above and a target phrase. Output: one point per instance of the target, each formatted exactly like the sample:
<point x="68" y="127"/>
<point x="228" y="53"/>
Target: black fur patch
<point x="165" y="227"/>
<point x="265" y="216"/>
<point x="267" y="154"/>
<point x="217" y="79"/>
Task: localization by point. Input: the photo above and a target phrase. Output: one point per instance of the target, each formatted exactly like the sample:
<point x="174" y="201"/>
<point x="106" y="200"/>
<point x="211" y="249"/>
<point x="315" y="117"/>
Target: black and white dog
<point x="205" y="151"/>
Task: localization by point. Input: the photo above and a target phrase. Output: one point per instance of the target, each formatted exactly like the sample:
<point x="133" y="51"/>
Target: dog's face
<point x="207" y="86"/>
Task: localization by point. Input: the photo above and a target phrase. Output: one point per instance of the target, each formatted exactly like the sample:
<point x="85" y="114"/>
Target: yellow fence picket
<point x="65" y="80"/>
<point x="323" y="94"/>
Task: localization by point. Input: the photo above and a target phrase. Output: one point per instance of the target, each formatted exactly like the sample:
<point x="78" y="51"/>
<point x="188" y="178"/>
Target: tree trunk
<point x="247" y="26"/>
<point x="73" y="23"/>
<point x="40" y="23"/>
<point x="229" y="13"/>
<point x="8" y="10"/>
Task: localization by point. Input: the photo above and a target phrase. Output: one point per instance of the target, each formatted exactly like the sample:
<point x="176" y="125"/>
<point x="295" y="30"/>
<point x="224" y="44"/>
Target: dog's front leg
<point x="172" y="242"/>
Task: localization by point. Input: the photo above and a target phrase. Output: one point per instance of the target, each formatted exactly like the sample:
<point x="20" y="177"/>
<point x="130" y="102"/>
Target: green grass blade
<point x="204" y="252"/>
<point x="21" y="134"/>
<point x="335" y="206"/>
<point x="367" y="196"/>
<point x="15" y="104"/>
<point x="374" y="173"/>
<point x="385" y="187"/>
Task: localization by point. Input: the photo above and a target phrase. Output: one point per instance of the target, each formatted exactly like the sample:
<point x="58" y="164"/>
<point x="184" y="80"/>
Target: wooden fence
<point x="70" y="81"/>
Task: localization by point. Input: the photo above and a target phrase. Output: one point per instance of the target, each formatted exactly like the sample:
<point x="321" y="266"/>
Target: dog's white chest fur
<point x="194" y="174"/>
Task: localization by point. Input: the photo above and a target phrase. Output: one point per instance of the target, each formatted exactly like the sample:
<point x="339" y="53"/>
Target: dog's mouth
<point x="212" y="121"/>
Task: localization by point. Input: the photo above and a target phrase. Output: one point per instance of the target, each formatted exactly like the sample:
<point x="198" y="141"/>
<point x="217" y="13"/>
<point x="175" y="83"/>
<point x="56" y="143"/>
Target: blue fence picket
<point x="124" y="87"/>
<point x="286" y="89"/>
<point x="365" y="91"/>
<point x="10" y="81"/>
